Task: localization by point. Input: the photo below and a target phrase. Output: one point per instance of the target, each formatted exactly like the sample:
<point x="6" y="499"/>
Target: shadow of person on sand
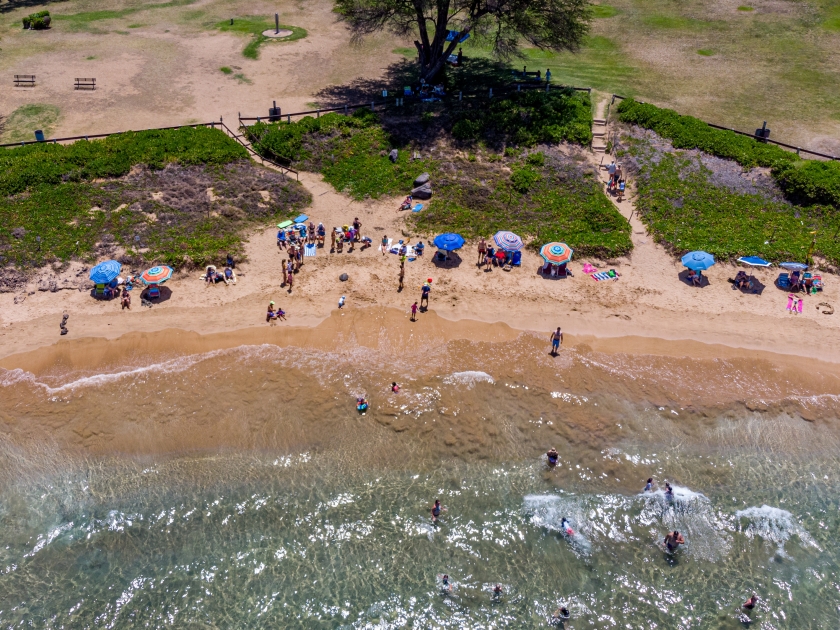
<point x="449" y="260"/>
<point x="683" y="276"/>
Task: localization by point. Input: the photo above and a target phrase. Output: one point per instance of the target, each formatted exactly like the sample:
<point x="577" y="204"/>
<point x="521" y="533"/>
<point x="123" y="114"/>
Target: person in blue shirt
<point x="281" y="239"/>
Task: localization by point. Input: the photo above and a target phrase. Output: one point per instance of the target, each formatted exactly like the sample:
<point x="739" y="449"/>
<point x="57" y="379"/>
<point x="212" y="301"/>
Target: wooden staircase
<point x="599" y="135"/>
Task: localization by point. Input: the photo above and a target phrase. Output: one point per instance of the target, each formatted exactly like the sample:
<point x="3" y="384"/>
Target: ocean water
<point x="240" y="489"/>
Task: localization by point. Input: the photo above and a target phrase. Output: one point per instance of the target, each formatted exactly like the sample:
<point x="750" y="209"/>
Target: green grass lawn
<point x="22" y="123"/>
<point x="85" y="20"/>
<point x="254" y="26"/>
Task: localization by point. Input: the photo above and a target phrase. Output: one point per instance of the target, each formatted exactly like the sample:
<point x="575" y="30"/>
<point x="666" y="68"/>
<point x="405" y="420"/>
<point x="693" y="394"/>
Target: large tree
<point x="505" y="24"/>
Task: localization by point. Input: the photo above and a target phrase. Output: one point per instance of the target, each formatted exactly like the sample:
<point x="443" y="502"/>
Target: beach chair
<point x="783" y="281"/>
<point x="99" y="290"/>
<point x="154" y="291"/>
<point x="516" y="259"/>
<point x="407" y="91"/>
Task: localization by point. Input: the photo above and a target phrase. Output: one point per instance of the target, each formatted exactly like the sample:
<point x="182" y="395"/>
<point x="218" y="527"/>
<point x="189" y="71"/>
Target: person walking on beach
<point x="285" y="275"/>
<point x="357" y="227"/>
<point x="611" y="173"/>
<point x="332" y="240"/>
<point x="556" y="340"/>
<point x="414" y="312"/>
<point x="402" y="276"/>
<point x="482" y="251"/>
<point x="424" y="295"/>
<point x="384" y="245"/>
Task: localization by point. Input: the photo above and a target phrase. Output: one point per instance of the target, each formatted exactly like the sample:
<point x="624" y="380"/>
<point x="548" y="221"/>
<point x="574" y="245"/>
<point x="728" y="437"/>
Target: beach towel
<point x="310" y="250"/>
<point x="417" y="208"/>
<point x="301" y="218"/>
<point x="790" y="303"/>
<point x="587" y="268"/>
<point x="410" y="253"/>
<point x="799" y="306"/>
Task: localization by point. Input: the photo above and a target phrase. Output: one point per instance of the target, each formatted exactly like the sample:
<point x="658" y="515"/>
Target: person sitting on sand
<point x="322" y="233"/>
<point x="126" y="299"/>
<point x="210" y="275"/>
<point x="751" y="602"/>
<point x="270" y="314"/>
<point x="418" y="249"/>
<point x="406" y="204"/>
<point x="673" y="540"/>
<point x="694" y="277"/>
<point x="281" y="239"/>
<point x="552" y="456"/>
<point x="229" y="275"/>
<point x="742" y="281"/>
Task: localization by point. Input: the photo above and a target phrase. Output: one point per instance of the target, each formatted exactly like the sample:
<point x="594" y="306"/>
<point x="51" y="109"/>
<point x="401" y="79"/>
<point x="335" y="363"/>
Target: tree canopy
<point x="505" y="24"/>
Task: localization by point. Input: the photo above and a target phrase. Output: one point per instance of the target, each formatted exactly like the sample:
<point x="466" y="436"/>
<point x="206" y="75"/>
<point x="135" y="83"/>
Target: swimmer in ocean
<point x="445" y="587"/>
<point x="437" y="508"/>
<point x="361" y="403"/>
<point x="751" y="602"/>
<point x="669" y="491"/>
<point x="497" y="591"/>
<point x="566" y="526"/>
<point x="553" y="457"/>
<point x="673" y="540"/>
<point x="560" y="614"/>
<point x="395" y="388"/>
<point x="649" y="485"/>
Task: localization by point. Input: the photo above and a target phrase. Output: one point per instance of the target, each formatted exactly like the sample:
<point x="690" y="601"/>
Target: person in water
<point x="446" y="586"/>
<point x="560" y="613"/>
<point x="552" y="456"/>
<point x="361" y="403"/>
<point x="669" y="491"/>
<point x="751" y="602"/>
<point x="649" y="485"/>
<point x="566" y="526"/>
<point x="497" y="591"/>
<point x="395" y="388"/>
<point x="673" y="540"/>
<point x="437" y="508"/>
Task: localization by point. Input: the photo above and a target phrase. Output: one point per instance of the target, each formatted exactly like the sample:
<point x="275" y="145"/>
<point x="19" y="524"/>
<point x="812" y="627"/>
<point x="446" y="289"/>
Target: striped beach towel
<point x="603" y="275"/>
<point x="309" y="250"/>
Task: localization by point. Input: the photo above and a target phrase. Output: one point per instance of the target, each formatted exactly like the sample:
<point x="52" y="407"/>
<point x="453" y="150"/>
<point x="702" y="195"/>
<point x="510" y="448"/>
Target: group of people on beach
<point x="489" y="257"/>
<point x="351" y="234"/>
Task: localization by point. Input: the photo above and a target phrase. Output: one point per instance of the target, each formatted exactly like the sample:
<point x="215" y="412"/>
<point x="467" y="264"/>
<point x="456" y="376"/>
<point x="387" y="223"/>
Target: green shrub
<point x="685" y="210"/>
<point x="527" y="118"/>
<point x="37" y="21"/>
<point x="803" y="181"/>
<point x="687" y="132"/>
<point x="810" y="182"/>
<point x="22" y="168"/>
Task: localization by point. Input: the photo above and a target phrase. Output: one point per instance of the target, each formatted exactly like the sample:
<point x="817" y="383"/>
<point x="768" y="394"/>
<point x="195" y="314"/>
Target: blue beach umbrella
<point x="449" y="242"/>
<point x="698" y="261"/>
<point x="508" y="241"/>
<point x="793" y="266"/>
<point x="104" y="272"/>
<point x="754" y="261"/>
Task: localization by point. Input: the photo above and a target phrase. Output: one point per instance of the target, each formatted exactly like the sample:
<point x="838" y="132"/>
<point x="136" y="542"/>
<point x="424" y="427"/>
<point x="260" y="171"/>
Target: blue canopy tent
<point x="451" y="36"/>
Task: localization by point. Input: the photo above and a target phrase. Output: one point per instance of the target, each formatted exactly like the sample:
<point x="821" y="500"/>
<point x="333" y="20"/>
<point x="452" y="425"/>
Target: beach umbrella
<point x="507" y="241"/>
<point x="698" y="261"/>
<point x="104" y="272"/>
<point x="449" y="242"/>
<point x="156" y="275"/>
<point x="794" y="266"/>
<point x="754" y="261"/>
<point x="556" y="253"/>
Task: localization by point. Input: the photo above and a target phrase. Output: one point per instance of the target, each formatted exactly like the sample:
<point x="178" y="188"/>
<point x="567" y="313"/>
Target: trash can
<point x="39" y="135"/>
<point x="274" y="113"/>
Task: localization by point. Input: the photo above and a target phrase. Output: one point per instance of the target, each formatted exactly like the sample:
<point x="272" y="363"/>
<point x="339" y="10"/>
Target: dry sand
<point x="647" y="301"/>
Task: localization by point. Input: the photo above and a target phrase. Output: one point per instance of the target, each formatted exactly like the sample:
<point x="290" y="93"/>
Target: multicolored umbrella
<point x="156" y="275"/>
<point x="508" y="241"/>
<point x="698" y="261"/>
<point x="105" y="271"/>
<point x="449" y="242"/>
<point x="556" y="253"/>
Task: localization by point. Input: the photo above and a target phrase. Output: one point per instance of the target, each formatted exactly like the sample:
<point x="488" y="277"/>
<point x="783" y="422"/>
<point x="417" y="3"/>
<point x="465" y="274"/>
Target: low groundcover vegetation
<point x="180" y="197"/>
<point x="543" y="195"/>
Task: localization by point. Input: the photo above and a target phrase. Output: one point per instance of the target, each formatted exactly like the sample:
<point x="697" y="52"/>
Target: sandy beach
<point x="648" y="300"/>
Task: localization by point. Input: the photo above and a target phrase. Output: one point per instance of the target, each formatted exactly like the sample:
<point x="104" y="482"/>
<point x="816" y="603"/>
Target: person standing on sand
<point x="424" y="295"/>
<point x="357" y="226"/>
<point x="482" y="251"/>
<point x="414" y="312"/>
<point x="556" y="340"/>
<point x="332" y="240"/>
<point x="611" y="173"/>
<point x="402" y="276"/>
<point x="384" y="245"/>
<point x="285" y="275"/>
<point x="291" y="279"/>
<point x="126" y="299"/>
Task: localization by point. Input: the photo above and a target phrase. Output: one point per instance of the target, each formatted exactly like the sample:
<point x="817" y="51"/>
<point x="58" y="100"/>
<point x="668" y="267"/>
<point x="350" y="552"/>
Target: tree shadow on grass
<point x="475" y="75"/>
<point x="11" y="5"/>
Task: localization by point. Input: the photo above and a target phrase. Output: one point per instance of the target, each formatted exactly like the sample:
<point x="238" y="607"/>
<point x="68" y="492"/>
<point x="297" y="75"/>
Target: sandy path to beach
<point x="648" y="300"/>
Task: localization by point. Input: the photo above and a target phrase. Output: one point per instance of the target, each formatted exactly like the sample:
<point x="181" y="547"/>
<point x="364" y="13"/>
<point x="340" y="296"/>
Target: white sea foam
<point x="548" y="511"/>
<point x="469" y="378"/>
<point x="772" y="525"/>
